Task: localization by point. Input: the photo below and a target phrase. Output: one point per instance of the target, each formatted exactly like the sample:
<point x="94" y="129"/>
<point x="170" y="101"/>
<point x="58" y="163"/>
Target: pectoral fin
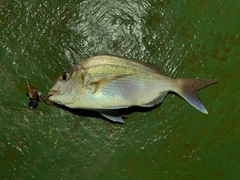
<point x="95" y="85"/>
<point x="111" y="115"/>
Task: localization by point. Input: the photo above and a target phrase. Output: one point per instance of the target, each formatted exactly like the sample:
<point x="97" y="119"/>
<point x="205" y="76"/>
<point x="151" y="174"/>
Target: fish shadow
<point x="123" y="112"/>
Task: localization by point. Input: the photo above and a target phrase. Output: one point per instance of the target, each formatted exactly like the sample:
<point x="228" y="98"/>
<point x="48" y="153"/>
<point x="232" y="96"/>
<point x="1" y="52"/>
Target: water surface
<point x="197" y="39"/>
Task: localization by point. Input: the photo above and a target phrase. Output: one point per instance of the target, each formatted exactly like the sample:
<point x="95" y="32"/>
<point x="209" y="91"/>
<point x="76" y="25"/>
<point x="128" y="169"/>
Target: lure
<point x="33" y="96"/>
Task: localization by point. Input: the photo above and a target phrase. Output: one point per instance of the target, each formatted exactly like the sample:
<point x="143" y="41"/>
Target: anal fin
<point x="155" y="101"/>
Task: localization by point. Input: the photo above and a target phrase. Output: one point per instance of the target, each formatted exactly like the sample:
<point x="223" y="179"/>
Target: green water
<point x="40" y="39"/>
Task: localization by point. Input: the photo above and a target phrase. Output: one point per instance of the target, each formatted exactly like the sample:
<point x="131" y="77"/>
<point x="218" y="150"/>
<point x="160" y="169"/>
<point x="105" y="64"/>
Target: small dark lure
<point x="33" y="96"/>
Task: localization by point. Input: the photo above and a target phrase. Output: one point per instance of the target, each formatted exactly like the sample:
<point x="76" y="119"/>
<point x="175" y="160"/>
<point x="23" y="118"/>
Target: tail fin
<point x="187" y="89"/>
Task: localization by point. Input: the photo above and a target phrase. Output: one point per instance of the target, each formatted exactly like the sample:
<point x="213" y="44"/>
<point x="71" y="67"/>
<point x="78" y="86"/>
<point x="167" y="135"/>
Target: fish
<point x="106" y="83"/>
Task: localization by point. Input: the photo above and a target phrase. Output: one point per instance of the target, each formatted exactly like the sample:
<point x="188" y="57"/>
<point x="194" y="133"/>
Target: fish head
<point x="68" y="87"/>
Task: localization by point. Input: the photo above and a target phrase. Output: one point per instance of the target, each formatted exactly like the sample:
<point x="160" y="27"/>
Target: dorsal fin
<point x="153" y="67"/>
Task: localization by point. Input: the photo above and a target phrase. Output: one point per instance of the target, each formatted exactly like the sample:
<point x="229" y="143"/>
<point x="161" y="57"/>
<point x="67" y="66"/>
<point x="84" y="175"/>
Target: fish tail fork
<point x="187" y="89"/>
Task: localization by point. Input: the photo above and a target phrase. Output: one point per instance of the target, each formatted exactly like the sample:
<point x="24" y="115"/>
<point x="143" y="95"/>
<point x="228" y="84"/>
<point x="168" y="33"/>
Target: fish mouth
<point x="52" y="92"/>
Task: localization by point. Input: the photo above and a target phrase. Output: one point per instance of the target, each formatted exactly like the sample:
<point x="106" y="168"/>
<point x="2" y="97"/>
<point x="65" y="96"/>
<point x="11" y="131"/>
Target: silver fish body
<point x="106" y="83"/>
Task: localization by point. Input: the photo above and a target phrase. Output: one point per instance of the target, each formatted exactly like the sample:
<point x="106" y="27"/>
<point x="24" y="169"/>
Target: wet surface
<point x="40" y="40"/>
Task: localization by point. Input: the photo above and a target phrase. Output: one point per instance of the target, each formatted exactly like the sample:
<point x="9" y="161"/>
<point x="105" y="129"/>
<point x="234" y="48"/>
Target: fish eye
<point x="64" y="76"/>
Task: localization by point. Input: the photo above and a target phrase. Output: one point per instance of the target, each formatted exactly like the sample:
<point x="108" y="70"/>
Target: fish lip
<point x="52" y="92"/>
